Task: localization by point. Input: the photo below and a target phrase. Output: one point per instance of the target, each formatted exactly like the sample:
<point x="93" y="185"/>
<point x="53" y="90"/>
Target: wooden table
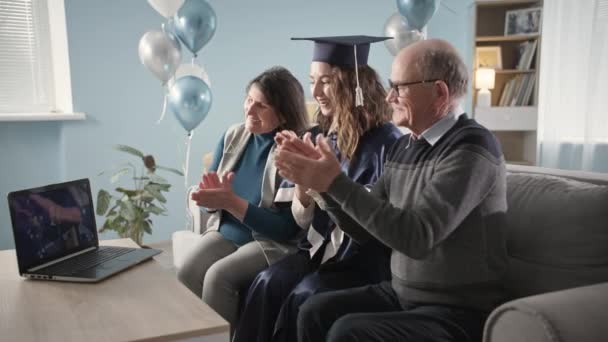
<point x="144" y="303"/>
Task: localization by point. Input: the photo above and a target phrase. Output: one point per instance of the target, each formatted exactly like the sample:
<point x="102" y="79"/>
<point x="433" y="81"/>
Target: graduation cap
<point x="344" y="51"/>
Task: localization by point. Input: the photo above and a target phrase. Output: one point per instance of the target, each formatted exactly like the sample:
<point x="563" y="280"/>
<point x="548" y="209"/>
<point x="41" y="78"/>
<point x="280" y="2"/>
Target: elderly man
<point x="440" y="206"/>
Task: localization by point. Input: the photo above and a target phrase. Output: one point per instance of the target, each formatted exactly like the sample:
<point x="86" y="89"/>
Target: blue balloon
<point x="189" y="100"/>
<point x="417" y="12"/>
<point x="195" y="24"/>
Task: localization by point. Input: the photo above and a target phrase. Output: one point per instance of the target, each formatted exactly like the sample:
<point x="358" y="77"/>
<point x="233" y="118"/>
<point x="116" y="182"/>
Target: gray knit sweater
<point x="441" y="209"/>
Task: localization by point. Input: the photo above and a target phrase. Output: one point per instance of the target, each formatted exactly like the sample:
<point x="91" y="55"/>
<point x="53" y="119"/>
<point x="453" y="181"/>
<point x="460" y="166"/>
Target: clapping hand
<point x="213" y="192"/>
<point x="308" y="166"/>
<point x="289" y="141"/>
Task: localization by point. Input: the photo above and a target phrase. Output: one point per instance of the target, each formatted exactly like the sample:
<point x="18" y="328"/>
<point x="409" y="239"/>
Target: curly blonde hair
<point x="352" y="122"/>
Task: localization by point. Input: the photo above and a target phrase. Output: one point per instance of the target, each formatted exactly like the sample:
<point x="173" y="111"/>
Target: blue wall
<point x="29" y="155"/>
<point x="123" y="101"/>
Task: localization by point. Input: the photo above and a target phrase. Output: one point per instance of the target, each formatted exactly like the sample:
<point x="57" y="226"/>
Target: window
<point x="34" y="63"/>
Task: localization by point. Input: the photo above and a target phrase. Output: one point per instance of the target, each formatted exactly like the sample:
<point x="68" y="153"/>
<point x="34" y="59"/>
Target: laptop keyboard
<point x="87" y="260"/>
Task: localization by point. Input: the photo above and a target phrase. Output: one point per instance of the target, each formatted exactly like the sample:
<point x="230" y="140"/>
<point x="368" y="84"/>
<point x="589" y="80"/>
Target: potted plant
<point x="129" y="211"/>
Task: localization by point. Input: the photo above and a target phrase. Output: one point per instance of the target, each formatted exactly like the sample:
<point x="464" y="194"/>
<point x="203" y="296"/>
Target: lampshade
<point x="484" y="78"/>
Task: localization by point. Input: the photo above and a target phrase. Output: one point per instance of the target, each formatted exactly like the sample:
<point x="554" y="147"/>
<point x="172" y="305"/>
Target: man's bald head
<point x="436" y="59"/>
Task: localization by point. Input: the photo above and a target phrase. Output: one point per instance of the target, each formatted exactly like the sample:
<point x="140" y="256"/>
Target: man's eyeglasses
<point x="400" y="86"/>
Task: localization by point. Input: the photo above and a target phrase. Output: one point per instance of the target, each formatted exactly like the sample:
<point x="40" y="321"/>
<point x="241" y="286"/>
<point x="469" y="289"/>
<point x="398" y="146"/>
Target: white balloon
<point x="166" y="8"/>
<point x="396" y="26"/>
<point x="189" y="69"/>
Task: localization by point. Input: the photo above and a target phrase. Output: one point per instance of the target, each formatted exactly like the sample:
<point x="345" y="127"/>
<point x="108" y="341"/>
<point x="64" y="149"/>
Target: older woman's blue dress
<point x="270" y="309"/>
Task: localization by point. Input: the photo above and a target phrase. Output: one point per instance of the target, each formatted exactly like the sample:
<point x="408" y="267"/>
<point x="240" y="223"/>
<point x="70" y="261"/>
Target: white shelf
<point x="489" y="3"/>
<point x="513" y="38"/>
<point x="507" y="118"/>
<point x="515" y="71"/>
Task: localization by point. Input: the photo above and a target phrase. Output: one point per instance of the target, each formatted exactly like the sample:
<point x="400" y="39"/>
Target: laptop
<point x="56" y="235"/>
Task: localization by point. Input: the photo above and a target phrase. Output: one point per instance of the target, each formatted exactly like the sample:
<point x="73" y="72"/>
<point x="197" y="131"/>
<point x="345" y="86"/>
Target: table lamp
<point x="484" y="81"/>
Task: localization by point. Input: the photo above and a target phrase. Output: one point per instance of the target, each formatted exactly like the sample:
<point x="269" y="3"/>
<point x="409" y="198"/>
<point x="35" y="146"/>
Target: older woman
<point x="251" y="225"/>
<point x="354" y="116"/>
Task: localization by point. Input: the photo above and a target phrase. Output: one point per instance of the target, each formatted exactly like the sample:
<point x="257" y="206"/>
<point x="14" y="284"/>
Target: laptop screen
<point x="52" y="221"/>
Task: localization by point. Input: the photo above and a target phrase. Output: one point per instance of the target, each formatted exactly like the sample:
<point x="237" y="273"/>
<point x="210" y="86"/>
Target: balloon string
<point x="187" y="160"/>
<point x="189" y="217"/>
<point x="162" y="115"/>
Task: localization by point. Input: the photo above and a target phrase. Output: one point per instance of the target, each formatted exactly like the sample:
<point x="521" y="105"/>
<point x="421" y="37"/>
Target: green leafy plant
<point x="129" y="212"/>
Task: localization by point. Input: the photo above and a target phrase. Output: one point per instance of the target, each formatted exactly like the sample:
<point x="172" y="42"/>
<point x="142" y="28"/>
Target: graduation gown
<point x="270" y="308"/>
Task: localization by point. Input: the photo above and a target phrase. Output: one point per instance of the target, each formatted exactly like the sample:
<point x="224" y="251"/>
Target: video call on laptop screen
<point x="51" y="222"/>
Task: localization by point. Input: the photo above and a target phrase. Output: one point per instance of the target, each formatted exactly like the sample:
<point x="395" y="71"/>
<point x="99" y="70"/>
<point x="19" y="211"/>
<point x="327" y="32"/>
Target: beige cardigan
<point x="235" y="141"/>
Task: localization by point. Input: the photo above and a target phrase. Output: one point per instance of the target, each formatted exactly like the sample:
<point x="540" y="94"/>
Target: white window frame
<point x="61" y="72"/>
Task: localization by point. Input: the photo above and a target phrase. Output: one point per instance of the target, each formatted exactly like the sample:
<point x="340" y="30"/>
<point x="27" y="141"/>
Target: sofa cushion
<point x="557" y="232"/>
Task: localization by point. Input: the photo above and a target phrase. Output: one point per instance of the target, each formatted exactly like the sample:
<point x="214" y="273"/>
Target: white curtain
<point x="573" y="89"/>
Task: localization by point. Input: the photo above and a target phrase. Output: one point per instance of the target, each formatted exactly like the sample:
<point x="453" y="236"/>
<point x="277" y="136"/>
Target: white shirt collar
<point x="439" y="128"/>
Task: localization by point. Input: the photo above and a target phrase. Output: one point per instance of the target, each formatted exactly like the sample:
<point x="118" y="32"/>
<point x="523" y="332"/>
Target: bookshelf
<point x="513" y="113"/>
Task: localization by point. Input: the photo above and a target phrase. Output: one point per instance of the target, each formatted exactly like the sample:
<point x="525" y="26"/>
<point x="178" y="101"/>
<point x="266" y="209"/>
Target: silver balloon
<point x="161" y="53"/>
<point x="403" y="35"/>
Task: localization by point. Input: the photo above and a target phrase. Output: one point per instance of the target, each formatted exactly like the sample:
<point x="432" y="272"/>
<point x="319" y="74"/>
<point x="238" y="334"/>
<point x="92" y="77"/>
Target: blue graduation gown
<point x="271" y="306"/>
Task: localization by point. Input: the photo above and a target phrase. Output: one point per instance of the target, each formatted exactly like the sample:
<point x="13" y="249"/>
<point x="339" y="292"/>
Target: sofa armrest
<point x="185" y="240"/>
<point x="577" y="314"/>
<point x="197" y="217"/>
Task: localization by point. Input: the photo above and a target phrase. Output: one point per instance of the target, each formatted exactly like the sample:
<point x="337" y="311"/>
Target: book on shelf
<point x="529" y="89"/>
<point x="505" y="91"/>
<point x="518" y="99"/>
<point x="526" y="54"/>
<point x="518" y="91"/>
<point x="517" y="84"/>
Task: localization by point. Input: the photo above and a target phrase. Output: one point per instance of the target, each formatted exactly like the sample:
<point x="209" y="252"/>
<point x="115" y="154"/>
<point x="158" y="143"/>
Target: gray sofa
<point x="558" y="258"/>
<point x="558" y="247"/>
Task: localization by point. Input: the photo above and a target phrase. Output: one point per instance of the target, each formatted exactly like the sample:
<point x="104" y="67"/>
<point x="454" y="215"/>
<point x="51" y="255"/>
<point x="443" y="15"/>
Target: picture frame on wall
<point x="488" y="57"/>
<point x="523" y="21"/>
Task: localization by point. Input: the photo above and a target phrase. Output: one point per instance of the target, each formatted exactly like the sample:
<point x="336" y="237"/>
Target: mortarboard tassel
<point x="358" y="90"/>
